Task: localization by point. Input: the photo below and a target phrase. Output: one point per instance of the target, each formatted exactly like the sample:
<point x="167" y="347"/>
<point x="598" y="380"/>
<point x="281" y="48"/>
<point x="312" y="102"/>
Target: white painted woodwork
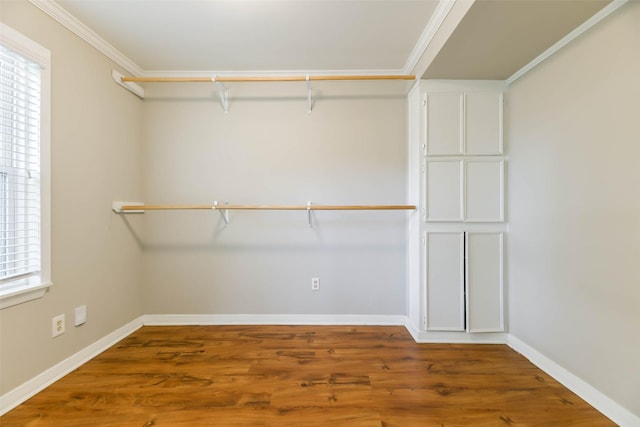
<point x="483" y="123"/>
<point x="444" y="134"/>
<point x="461" y="194"/>
<point x="413" y="240"/>
<point x="444" y="182"/>
<point x="445" y="281"/>
<point x="484" y="190"/>
<point x="484" y="281"/>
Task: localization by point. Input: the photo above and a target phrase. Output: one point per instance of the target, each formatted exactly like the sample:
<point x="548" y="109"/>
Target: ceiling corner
<point x="54" y="10"/>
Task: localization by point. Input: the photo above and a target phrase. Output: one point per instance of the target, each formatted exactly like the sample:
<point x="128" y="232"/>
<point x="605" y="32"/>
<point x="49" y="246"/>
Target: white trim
<point x="595" y="19"/>
<point x="584" y="390"/>
<point x="27" y="292"/>
<point x="54" y="10"/>
<point x="274" y="319"/>
<point x="435" y="22"/>
<point x="36" y="286"/>
<point x="24" y="46"/>
<point x="132" y="87"/>
<point x="23" y="392"/>
<point x="452" y="337"/>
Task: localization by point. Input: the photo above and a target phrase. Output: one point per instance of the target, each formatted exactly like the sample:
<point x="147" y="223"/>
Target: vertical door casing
<point x="445" y="302"/>
<point x="484" y="281"/>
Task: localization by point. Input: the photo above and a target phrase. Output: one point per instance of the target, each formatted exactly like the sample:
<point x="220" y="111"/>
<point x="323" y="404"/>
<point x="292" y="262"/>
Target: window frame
<point x="29" y="288"/>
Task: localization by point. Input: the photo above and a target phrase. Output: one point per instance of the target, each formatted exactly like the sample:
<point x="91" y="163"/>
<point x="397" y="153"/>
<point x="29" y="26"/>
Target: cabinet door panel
<point x="444" y="123"/>
<point x="445" y="282"/>
<point x="484" y="277"/>
<point x="444" y="190"/>
<point x="484" y="190"/>
<point x="483" y="123"/>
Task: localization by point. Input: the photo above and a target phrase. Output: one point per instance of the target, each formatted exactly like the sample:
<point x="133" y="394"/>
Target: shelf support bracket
<point x="223" y="93"/>
<point x="224" y="213"/>
<point x="309" y="214"/>
<point x="309" y="100"/>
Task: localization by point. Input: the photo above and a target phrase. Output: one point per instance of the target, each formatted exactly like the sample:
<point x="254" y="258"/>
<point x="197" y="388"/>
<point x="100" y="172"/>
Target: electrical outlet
<point x="315" y="284"/>
<point x="57" y="326"/>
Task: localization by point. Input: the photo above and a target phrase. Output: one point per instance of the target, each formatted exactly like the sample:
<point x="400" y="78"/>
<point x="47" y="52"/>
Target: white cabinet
<point x="445" y="281"/>
<point x="469" y="189"/>
<point x="464" y="281"/>
<point x="444" y="115"/>
<point x="463" y="122"/>
<point x="483" y="123"/>
<point x="444" y="190"/>
<point x="484" y="281"/>
<point x="484" y="189"/>
<point x="456" y="175"/>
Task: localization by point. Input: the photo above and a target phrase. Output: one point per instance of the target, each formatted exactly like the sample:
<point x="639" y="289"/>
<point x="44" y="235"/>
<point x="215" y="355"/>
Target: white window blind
<point x="20" y="101"/>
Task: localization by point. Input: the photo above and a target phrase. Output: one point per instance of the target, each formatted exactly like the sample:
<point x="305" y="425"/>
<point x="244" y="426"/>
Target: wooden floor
<point x="302" y="376"/>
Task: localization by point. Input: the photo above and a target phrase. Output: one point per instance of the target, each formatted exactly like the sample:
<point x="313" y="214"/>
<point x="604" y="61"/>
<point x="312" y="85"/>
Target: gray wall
<point x="96" y="153"/>
<point x="574" y="210"/>
<point x="269" y="150"/>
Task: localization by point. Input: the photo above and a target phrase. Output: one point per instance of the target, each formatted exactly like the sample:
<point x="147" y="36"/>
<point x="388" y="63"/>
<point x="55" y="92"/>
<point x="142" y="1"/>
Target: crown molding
<point x="435" y="22"/>
<point x="56" y="11"/>
<point x="595" y="19"/>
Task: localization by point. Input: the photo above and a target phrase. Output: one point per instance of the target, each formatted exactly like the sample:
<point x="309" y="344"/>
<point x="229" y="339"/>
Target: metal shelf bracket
<point x="223" y="93"/>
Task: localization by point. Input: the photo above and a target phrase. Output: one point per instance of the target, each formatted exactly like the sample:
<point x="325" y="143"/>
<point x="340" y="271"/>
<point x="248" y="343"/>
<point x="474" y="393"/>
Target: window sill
<point x="22" y="291"/>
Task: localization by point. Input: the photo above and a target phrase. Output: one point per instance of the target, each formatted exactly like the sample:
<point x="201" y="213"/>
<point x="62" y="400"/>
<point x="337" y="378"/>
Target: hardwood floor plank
<point x="275" y="376"/>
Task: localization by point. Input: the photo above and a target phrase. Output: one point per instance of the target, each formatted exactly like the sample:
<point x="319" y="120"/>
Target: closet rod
<point x="268" y="207"/>
<point x="263" y="78"/>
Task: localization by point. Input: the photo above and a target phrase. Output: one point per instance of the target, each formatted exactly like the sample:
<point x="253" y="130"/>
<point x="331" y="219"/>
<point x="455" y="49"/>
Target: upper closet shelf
<point x="135" y="207"/>
<point x="129" y="83"/>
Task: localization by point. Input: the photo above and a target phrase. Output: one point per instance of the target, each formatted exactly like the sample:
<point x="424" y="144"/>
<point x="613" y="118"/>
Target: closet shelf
<point x="131" y="207"/>
<point x="130" y="83"/>
<point x="235" y="79"/>
<point x="122" y="207"/>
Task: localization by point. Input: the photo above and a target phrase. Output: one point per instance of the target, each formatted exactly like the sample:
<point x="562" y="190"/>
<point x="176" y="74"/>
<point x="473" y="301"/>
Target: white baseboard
<point x="427" y="337"/>
<point x="274" y="319"/>
<point x="590" y="394"/>
<point x="23" y="392"/>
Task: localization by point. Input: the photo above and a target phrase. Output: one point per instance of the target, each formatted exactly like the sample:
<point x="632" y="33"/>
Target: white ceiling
<point x="265" y="35"/>
<point x="490" y="39"/>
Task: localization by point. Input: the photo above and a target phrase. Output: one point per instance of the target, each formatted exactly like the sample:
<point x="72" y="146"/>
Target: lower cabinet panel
<point x="464" y="281"/>
<point x="445" y="282"/>
<point x="484" y="277"/>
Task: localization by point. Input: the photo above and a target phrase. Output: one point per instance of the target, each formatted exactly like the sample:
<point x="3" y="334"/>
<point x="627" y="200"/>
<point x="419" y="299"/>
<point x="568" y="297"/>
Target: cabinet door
<point x="484" y="190"/>
<point x="445" y="281"/>
<point x="444" y="123"/>
<point x="484" y="277"/>
<point x="483" y="123"/>
<point x="444" y="190"/>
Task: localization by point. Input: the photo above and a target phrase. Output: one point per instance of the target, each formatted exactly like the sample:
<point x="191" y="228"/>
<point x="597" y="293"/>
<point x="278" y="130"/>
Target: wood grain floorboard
<point x="276" y="376"/>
